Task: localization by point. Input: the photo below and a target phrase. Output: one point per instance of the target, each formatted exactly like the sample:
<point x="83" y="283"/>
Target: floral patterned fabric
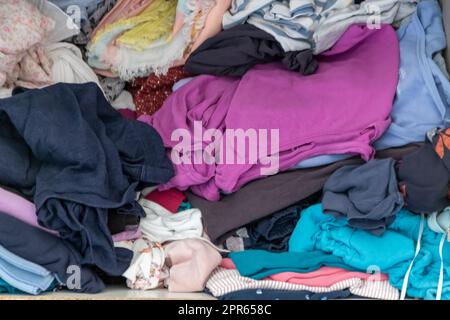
<point x="147" y="269"/>
<point x="22" y="31"/>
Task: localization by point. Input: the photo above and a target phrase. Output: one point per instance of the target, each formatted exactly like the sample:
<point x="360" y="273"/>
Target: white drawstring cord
<point x="441" y="273"/>
<point x="406" y="279"/>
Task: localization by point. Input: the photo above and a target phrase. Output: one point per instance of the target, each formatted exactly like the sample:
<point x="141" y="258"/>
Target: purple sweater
<point x="341" y="109"/>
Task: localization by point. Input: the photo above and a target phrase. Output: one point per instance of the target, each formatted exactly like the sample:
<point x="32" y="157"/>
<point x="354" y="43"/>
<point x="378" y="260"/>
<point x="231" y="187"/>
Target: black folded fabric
<point x="79" y="158"/>
<point x="118" y="222"/>
<point x="234" y="51"/>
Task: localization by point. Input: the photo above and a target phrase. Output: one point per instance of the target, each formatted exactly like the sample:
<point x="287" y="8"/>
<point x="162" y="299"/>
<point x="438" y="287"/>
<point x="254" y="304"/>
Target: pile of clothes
<point x="248" y="149"/>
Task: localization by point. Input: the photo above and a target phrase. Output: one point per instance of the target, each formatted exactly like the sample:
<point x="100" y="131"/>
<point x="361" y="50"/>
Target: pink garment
<point x="169" y="199"/>
<point x="35" y="69"/>
<point x="122" y="9"/>
<point x="20" y="208"/>
<point x="104" y="73"/>
<point x="22" y="26"/>
<point x="341" y="109"/>
<point x="323" y="277"/>
<point x="191" y="261"/>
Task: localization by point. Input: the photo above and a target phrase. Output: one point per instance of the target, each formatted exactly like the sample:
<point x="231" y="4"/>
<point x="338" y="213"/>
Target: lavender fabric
<point x="20" y="208"/>
<point x="337" y="110"/>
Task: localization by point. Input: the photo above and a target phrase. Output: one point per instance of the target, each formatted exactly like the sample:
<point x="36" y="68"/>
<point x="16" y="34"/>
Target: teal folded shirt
<point x="259" y="264"/>
<point x="5" y="287"/>
<point x="392" y="252"/>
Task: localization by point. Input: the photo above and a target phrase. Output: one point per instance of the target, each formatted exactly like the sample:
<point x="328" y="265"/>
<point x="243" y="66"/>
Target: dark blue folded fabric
<point x="273" y="233"/>
<point x="50" y="252"/>
<point x="274" y="294"/>
<point x="79" y="158"/>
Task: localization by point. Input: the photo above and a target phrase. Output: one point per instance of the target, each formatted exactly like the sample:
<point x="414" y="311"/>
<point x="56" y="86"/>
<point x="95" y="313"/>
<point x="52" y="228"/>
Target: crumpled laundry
<point x="90" y="14"/>
<point x="423" y="93"/>
<point x="23" y="59"/>
<point x="212" y="102"/>
<point x="68" y="65"/>
<point x="371" y="12"/>
<point x="123" y="9"/>
<point x="291" y="22"/>
<point x="75" y="184"/>
<point x="234" y="51"/>
<point x="409" y="251"/>
<point x="157" y="38"/>
<point x="161" y="225"/>
<point x="147" y="269"/>
<point x="368" y="195"/>
<point x="191" y="262"/>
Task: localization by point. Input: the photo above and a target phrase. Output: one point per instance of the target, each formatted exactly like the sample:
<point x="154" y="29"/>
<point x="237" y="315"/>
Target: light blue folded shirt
<point x="22" y="274"/>
<point x="321" y="160"/>
<point x="423" y="92"/>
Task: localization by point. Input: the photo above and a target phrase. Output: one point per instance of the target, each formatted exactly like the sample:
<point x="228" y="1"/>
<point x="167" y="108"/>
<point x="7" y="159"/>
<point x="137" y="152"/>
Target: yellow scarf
<point x="152" y="24"/>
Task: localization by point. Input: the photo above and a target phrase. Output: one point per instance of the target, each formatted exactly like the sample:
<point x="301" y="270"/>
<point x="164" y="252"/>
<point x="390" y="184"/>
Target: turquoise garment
<point x="392" y="253"/>
<point x="423" y="92"/>
<point x="5" y="287"/>
<point x="185" y="205"/>
<point x="258" y="264"/>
